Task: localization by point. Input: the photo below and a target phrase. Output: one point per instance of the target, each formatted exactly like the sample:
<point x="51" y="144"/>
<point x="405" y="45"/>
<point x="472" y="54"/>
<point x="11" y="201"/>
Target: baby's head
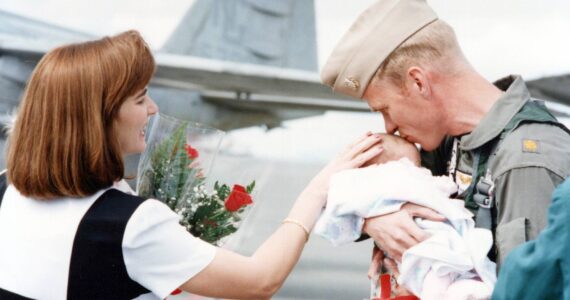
<point x="396" y="148"/>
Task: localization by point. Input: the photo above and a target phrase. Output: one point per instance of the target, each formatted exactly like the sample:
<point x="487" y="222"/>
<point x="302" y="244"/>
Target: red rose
<point x="192" y="152"/>
<point x="237" y="198"/>
<point x="176" y="292"/>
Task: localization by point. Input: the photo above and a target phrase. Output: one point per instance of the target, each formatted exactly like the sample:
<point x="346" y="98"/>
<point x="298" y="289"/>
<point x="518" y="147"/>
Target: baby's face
<point x="396" y="148"/>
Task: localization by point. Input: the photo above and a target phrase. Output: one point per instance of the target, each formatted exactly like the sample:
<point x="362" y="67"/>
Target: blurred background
<point x="250" y="67"/>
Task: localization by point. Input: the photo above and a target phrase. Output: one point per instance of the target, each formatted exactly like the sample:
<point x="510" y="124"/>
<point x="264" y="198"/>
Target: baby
<point x="452" y="263"/>
<point x="395" y="148"/>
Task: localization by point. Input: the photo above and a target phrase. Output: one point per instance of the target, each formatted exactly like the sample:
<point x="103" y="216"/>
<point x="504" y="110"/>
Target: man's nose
<point x="390" y="126"/>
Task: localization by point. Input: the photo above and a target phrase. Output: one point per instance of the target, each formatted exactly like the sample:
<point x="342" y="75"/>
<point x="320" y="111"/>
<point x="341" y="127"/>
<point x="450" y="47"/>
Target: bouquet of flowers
<point x="173" y="170"/>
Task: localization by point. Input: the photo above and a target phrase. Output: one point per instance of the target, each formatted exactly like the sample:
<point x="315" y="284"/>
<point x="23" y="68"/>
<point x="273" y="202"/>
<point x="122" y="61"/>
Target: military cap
<point x="377" y="32"/>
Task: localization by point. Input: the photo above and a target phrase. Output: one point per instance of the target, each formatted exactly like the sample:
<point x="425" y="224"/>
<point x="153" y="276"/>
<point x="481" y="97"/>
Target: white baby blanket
<point x="456" y="249"/>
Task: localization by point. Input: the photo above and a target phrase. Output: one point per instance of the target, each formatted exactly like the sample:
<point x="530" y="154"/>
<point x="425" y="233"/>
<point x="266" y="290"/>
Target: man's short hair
<point x="430" y="44"/>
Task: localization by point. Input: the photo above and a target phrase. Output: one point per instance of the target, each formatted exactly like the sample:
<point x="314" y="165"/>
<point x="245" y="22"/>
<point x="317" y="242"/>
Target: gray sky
<point x="498" y="36"/>
<point x="526" y="37"/>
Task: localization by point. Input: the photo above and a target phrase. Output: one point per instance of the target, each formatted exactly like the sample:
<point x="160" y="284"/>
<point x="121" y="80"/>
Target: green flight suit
<point x="529" y="163"/>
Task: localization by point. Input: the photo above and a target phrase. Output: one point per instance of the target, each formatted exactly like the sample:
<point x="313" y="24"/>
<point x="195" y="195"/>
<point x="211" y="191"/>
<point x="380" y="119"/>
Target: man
<point x="504" y="150"/>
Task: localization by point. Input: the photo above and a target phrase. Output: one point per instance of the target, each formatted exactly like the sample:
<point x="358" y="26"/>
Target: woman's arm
<point x="231" y="275"/>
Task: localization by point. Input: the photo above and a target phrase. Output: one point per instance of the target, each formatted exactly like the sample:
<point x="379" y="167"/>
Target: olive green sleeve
<point x="523" y="197"/>
<point x="524" y="180"/>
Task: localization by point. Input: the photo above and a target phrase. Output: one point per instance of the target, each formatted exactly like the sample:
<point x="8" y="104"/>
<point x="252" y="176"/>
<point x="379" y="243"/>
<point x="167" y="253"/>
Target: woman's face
<point x="132" y="120"/>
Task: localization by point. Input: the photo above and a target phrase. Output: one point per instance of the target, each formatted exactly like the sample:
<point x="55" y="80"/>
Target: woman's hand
<point x="354" y="156"/>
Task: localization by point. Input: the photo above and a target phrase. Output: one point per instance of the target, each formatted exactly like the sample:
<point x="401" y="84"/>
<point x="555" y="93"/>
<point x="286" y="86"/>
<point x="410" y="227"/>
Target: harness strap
<point x="484" y="218"/>
<point x="385" y="286"/>
<point x="482" y="192"/>
<point x="484" y="199"/>
<point x="386" y="290"/>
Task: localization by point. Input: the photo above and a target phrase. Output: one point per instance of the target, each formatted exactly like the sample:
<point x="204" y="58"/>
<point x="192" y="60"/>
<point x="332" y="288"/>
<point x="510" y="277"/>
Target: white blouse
<point x="36" y="240"/>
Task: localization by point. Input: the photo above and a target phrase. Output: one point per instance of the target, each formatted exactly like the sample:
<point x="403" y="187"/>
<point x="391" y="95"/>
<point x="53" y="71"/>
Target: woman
<point x="69" y="228"/>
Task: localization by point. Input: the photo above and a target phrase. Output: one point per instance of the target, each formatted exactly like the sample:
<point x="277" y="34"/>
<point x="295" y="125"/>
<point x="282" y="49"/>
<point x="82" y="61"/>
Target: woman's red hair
<point x="63" y="143"/>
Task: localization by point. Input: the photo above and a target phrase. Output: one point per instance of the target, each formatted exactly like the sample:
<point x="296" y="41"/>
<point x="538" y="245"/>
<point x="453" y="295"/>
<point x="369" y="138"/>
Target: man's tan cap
<point x="377" y="32"/>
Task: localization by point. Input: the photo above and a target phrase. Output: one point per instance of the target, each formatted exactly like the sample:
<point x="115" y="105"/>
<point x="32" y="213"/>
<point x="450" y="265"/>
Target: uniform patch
<point x="531" y="146"/>
<point x="463" y="180"/>
<point x="351" y="83"/>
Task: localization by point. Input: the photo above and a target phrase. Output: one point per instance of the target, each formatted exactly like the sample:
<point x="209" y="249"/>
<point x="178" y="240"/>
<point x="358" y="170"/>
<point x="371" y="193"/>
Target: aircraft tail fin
<point x="278" y="33"/>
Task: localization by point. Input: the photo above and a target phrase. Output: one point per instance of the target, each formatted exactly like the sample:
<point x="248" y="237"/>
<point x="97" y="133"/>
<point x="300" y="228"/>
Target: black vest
<point x="97" y="269"/>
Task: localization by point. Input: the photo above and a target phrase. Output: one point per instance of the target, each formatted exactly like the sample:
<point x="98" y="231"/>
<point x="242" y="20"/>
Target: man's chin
<point x="430" y="146"/>
<point x="427" y="148"/>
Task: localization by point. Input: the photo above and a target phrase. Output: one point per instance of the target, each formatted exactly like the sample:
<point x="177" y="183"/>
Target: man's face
<point x="407" y="111"/>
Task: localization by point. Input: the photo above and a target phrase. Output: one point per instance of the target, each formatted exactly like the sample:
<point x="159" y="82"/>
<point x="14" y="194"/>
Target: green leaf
<point x="171" y="180"/>
<point x="250" y="187"/>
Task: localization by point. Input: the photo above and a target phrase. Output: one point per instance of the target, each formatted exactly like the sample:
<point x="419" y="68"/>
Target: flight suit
<point x="526" y="162"/>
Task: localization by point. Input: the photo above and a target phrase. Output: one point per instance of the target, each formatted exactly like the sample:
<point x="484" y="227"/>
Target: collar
<point x="505" y="108"/>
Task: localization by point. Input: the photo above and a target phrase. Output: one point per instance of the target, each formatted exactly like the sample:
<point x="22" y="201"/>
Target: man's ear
<point x="418" y="81"/>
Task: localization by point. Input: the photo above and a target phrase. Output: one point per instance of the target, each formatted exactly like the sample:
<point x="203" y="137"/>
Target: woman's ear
<point x="418" y="81"/>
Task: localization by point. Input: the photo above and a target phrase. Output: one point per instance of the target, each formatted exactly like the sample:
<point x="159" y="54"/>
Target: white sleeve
<point x="159" y="253"/>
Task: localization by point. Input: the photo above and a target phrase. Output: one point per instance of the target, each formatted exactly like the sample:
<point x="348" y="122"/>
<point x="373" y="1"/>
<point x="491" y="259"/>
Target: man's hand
<point x="397" y="232"/>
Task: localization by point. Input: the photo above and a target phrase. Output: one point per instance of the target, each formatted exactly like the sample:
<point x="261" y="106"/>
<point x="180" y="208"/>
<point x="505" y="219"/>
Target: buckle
<point x="485" y="190"/>
<point x="482" y="200"/>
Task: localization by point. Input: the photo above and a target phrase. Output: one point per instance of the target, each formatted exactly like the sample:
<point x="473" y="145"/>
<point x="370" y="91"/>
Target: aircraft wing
<point x="220" y="80"/>
<point x="244" y="84"/>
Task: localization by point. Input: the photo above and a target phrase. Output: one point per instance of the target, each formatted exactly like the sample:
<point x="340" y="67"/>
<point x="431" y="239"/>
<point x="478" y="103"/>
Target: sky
<point x="526" y="37"/>
<point x="498" y="36"/>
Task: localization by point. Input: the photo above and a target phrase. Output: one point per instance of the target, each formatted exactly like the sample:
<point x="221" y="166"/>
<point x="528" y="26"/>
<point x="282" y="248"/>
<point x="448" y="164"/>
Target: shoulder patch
<point x="548" y="148"/>
<point x="463" y="181"/>
<point x="532" y="146"/>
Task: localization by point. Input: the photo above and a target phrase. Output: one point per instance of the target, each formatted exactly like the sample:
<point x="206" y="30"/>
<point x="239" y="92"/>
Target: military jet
<point x="229" y="64"/>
